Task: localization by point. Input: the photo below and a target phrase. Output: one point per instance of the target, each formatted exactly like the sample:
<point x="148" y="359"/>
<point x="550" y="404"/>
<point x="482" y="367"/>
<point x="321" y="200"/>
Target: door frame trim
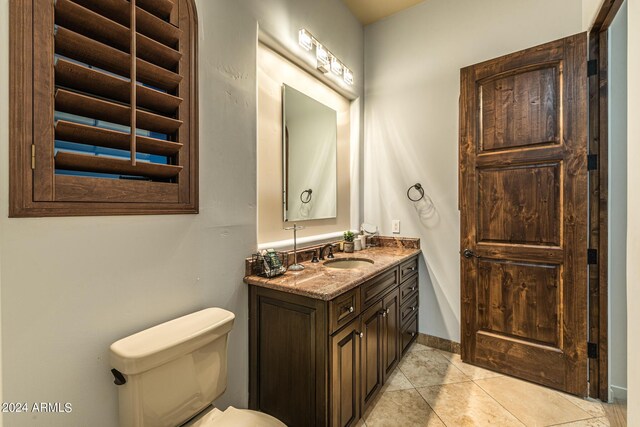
<point x="598" y="200"/>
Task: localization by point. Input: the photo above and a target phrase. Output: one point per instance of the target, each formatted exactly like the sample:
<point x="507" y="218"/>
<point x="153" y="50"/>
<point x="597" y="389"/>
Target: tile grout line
<point x="500" y="404"/>
<point x="430" y="407"/>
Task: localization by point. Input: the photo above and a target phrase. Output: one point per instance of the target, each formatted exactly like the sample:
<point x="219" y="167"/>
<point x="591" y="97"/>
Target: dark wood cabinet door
<point x="371" y="357"/>
<point x="344" y="408"/>
<point x="390" y="339"/>
<point x="288" y="357"/>
<point x="523" y="210"/>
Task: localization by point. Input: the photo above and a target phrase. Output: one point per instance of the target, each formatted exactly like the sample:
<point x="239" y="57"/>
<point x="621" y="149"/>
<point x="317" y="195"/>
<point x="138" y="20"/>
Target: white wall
<point x="633" y="213"/>
<point x="618" y="205"/>
<point x="71" y="286"/>
<point x="412" y="63"/>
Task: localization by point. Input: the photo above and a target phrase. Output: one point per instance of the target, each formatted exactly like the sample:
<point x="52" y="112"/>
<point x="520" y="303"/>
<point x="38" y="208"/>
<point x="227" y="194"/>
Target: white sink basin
<point x="347" y="263"/>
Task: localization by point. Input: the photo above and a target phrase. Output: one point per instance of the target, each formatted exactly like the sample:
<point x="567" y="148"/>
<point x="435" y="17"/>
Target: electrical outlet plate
<point x="395" y="226"/>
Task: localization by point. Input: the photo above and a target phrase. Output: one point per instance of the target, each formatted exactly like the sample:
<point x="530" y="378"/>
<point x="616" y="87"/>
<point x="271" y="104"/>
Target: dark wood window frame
<point x="39" y="191"/>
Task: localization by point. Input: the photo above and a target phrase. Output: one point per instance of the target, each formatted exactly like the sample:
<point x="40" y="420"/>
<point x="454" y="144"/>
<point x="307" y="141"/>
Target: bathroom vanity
<point x="323" y="341"/>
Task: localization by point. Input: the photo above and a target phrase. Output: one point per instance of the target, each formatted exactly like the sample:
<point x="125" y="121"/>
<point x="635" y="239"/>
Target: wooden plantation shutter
<point x="104" y="106"/>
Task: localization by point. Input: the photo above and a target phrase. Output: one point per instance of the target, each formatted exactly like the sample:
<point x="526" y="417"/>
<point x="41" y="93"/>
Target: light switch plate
<point x="395" y="226"/>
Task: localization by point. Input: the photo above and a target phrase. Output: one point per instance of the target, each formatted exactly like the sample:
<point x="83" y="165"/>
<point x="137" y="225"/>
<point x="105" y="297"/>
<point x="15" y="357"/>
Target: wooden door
<point x="371" y="357"/>
<point x="391" y="334"/>
<point x="523" y="209"/>
<point x="345" y="376"/>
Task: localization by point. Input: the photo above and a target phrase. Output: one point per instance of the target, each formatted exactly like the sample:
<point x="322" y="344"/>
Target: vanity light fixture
<point x="322" y="56"/>
<point x="336" y="66"/>
<point x="325" y="60"/>
<point x="348" y="76"/>
<point x="305" y="39"/>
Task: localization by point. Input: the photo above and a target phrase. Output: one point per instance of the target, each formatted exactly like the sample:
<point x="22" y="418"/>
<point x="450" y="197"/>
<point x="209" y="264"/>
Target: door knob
<point x="468" y="253"/>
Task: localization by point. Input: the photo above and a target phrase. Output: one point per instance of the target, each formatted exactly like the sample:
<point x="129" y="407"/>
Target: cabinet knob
<point x="412" y="269"/>
<point x="361" y="334"/>
<point x="413" y="334"/>
<point x="413" y="308"/>
<point x="412" y="289"/>
<point x="387" y="311"/>
<point x="384" y="313"/>
<point x="350" y="309"/>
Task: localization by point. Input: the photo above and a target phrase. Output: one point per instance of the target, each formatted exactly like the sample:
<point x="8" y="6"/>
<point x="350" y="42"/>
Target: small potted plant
<point x="348" y="241"/>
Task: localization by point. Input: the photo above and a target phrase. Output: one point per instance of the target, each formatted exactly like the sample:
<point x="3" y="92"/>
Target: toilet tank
<point x="173" y="370"/>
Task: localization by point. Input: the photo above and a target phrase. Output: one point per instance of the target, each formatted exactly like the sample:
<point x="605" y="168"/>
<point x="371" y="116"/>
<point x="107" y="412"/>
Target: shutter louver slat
<point x="89" y="163"/>
<point x="84" y="49"/>
<point x="157" y="53"/>
<point x="160" y="8"/>
<point x="94" y="108"/>
<point x="91" y="81"/>
<point x="91" y="135"/>
<point x="90" y="24"/>
<point x="147" y="23"/>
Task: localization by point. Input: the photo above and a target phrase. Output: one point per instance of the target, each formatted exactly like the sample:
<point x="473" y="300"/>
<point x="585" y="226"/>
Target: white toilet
<point x="170" y="374"/>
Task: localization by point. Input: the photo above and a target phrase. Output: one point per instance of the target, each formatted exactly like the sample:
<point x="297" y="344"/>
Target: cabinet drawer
<point x="344" y="308"/>
<point x="408" y="288"/>
<point x="408" y="308"/>
<point x="409" y="333"/>
<point x="408" y="268"/>
<point x="375" y="288"/>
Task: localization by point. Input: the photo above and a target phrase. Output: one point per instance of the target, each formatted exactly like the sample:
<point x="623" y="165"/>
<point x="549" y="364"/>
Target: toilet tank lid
<point x="162" y="343"/>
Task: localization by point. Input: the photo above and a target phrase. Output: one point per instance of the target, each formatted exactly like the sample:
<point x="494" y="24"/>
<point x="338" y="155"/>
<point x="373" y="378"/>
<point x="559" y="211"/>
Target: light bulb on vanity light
<point x="348" y="76"/>
<point x="336" y="66"/>
<point x="305" y="39"/>
<point x="322" y="58"/>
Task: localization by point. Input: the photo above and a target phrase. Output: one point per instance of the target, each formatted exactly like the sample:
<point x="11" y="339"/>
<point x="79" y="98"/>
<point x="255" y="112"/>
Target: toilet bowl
<point x="233" y="417"/>
<point x="170" y="374"/>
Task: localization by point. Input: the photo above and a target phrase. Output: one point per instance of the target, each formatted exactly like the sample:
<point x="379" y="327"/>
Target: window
<point x="103" y="107"/>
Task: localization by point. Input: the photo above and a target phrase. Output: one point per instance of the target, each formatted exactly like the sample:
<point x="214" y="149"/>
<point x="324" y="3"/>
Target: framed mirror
<point x="309" y="149"/>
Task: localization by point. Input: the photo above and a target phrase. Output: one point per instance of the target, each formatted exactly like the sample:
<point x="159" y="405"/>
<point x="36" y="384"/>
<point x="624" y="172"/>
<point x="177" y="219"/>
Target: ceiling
<point x="370" y="11"/>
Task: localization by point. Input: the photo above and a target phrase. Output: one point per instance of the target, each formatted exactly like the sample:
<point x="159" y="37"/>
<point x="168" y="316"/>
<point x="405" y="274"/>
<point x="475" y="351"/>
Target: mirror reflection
<point x="309" y="157"/>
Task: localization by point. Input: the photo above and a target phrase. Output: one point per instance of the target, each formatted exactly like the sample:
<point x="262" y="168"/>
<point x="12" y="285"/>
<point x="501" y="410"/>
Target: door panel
<point x="390" y="340"/>
<point x="371" y="368"/>
<point x="523" y="207"/>
<point x="345" y="376"/>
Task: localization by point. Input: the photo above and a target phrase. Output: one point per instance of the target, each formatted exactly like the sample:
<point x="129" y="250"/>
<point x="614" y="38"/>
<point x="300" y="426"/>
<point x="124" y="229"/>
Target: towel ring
<point x="305" y="196"/>
<point x="419" y="188"/>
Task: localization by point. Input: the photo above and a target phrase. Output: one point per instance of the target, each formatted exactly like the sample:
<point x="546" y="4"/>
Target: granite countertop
<point x="325" y="283"/>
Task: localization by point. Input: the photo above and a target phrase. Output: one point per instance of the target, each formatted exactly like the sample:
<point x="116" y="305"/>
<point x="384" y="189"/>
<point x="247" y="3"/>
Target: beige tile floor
<point x="435" y="388"/>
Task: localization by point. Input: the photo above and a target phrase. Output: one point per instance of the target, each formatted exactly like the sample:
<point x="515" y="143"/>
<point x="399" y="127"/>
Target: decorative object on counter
<point x="295" y="266"/>
<point x="269" y="263"/>
<point x="368" y="231"/>
<point x="363" y="241"/>
<point x="357" y="244"/>
<point x="348" y="241"/>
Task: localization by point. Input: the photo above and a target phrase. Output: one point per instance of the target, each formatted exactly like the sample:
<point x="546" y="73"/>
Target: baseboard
<point x="618" y="393"/>
<point x="439" y="343"/>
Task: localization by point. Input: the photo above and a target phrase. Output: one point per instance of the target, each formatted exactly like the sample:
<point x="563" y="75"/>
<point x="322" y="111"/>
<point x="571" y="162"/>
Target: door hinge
<point x="592" y="162"/>
<point x="592" y="256"/>
<point x="592" y="350"/>
<point x="33" y="156"/>
<point x="592" y="67"/>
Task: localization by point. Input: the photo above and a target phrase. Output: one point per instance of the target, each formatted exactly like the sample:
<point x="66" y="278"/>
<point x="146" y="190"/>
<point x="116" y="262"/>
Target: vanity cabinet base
<point x="322" y="363"/>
